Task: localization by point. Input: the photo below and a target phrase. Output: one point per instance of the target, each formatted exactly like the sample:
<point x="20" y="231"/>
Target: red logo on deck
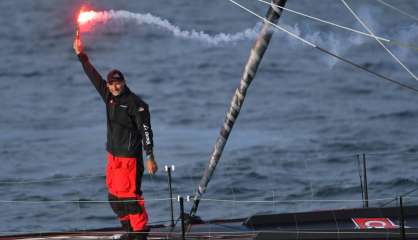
<point x="368" y="223"/>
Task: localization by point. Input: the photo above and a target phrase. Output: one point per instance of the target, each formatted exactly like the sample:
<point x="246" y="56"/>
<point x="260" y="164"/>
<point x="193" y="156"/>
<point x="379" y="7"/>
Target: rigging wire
<point x="402" y="195"/>
<point x="84" y="201"/>
<point x="361" y="178"/>
<point x="63" y="179"/>
<point x="404" y="45"/>
<point x="326" y="51"/>
<point x="388" y="41"/>
<point x="87" y="177"/>
<point x="203" y="199"/>
<point x="380" y="42"/>
<point x="210" y="234"/>
<point x="273" y="24"/>
<point x="322" y="20"/>
<point x="397" y="9"/>
<point x="192" y="234"/>
<point x="292" y="201"/>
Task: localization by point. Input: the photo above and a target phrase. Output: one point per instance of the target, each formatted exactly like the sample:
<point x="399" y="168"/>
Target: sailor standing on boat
<point x="128" y="130"/>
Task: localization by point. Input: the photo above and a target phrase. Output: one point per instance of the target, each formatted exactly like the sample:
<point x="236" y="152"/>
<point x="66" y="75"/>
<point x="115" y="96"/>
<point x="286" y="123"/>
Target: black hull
<point x="362" y="223"/>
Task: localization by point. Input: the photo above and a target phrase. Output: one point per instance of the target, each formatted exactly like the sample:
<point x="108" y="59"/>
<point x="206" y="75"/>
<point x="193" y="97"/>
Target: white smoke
<point x="340" y="42"/>
<point x="138" y="18"/>
<point x="337" y="41"/>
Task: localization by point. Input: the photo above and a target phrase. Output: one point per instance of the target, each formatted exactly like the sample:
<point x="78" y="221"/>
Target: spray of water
<point x="90" y="18"/>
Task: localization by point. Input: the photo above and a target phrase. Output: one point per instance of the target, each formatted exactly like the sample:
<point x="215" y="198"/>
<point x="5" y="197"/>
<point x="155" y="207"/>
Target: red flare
<point x="85" y="17"/>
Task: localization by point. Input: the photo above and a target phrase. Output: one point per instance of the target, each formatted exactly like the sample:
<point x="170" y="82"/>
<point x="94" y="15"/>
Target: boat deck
<point x="344" y="224"/>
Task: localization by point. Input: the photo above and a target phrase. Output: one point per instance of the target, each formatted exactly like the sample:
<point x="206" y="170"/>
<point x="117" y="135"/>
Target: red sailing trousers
<point x="123" y="176"/>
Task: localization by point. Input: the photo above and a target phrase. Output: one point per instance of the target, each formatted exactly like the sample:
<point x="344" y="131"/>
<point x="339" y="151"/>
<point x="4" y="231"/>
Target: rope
<point x="389" y="41"/>
<point x="397" y="9"/>
<point x="404" y="45"/>
<point x="275" y="25"/>
<point x="290" y="201"/>
<point x="82" y="201"/>
<point x="412" y="197"/>
<point x="203" y="199"/>
<point x="64" y="179"/>
<point x="380" y="42"/>
<point x="359" y="173"/>
<point x="51" y="180"/>
<point x="413" y="155"/>
<point x="326" y="51"/>
<point x="402" y="195"/>
<point x="252" y="232"/>
<point x="324" y="21"/>
<point x="152" y="179"/>
<point x="387" y="203"/>
<point x="368" y="70"/>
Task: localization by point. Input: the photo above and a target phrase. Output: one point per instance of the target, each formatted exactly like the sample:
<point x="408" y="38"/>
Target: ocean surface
<point x="293" y="148"/>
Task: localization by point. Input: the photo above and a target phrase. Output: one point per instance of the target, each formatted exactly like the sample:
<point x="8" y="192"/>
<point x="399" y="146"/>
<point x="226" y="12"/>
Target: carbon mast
<point x="254" y="60"/>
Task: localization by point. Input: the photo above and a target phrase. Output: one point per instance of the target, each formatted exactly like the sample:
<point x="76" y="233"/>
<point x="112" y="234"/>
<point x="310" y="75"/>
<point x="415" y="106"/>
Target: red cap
<point x="115" y="75"/>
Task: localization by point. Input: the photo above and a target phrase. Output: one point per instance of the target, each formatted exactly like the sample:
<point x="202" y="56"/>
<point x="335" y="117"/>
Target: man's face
<point x="116" y="87"/>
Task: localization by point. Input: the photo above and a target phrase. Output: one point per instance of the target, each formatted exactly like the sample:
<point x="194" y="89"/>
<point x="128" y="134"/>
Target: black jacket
<point x="128" y="117"/>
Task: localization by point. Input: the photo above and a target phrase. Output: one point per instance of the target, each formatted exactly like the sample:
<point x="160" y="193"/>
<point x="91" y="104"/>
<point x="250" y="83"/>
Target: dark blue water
<point x="305" y="118"/>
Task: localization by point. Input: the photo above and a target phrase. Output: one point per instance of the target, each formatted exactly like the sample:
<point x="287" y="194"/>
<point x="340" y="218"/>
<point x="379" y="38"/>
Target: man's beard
<point x="116" y="93"/>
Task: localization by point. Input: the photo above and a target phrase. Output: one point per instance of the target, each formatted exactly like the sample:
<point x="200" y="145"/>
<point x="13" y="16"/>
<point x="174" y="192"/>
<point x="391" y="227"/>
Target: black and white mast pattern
<point x="256" y="54"/>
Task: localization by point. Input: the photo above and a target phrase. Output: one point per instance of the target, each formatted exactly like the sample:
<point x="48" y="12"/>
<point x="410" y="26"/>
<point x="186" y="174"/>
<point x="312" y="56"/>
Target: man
<point x="128" y="130"/>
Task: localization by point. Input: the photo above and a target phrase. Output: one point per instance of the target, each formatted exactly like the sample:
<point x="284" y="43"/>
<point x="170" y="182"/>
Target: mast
<point x="256" y="54"/>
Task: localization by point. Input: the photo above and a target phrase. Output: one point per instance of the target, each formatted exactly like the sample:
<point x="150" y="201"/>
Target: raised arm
<point x="96" y="79"/>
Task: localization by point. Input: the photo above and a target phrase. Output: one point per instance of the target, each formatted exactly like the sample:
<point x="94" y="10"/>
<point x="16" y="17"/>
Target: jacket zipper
<point x="129" y="144"/>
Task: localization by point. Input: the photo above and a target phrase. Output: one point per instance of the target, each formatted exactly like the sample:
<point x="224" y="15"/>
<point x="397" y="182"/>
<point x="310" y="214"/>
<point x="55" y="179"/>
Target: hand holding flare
<point x="78" y="46"/>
